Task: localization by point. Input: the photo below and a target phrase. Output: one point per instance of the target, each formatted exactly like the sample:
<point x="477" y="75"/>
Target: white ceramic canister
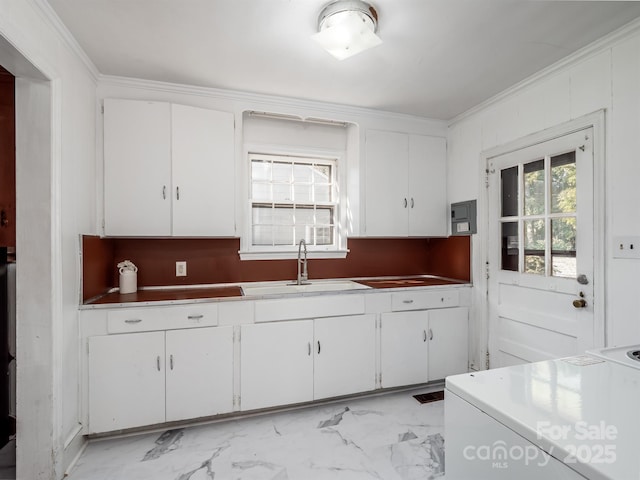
<point x="128" y="281"/>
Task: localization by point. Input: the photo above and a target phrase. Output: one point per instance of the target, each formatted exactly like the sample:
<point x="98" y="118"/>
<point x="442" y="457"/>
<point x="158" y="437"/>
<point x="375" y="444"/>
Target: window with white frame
<point x="293" y="198"/>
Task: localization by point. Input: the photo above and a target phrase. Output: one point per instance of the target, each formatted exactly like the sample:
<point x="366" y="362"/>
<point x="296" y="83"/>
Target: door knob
<point x="580" y="303"/>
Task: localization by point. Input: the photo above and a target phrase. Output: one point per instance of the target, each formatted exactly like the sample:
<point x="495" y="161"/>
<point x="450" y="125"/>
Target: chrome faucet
<point x="303" y="275"/>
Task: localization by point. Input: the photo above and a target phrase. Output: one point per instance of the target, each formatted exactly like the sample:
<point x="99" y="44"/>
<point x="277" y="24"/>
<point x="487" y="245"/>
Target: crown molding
<point x="594" y="48"/>
<point x="68" y="39"/>
<point x="337" y="111"/>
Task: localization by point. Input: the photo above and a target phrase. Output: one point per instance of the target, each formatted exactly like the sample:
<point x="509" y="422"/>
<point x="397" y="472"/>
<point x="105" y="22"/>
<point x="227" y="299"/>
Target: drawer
<point x="308" y="307"/>
<point x="168" y="318"/>
<point x="403" y="301"/>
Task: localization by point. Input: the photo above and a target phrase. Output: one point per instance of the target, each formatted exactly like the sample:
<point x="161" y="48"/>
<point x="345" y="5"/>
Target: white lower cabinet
<point x="345" y="356"/>
<point x="297" y="361"/>
<point x="126" y="381"/>
<point x="448" y="344"/>
<point x="423" y="345"/>
<point x="138" y="379"/>
<point x="276" y="364"/>
<point x="404" y="348"/>
<point x="199" y="370"/>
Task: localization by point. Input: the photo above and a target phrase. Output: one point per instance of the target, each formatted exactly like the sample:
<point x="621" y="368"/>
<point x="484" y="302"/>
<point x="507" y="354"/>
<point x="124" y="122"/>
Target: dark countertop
<point x="169" y="294"/>
<point x="178" y="294"/>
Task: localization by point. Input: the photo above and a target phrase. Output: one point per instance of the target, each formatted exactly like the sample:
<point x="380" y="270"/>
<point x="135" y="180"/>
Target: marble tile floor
<point x="387" y="436"/>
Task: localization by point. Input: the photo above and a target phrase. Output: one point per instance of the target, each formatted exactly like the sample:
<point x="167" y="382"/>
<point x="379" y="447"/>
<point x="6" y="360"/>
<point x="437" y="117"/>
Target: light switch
<point x="181" y="269"/>
<point x="626" y="247"/>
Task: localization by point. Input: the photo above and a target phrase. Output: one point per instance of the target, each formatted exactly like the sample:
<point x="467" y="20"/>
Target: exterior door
<point x="540" y="251"/>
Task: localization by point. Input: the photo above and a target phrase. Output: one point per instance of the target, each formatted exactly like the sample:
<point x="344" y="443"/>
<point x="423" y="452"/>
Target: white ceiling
<point x="439" y="57"/>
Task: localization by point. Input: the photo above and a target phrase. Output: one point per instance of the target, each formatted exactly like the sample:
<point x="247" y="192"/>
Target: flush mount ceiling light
<point x="347" y="27"/>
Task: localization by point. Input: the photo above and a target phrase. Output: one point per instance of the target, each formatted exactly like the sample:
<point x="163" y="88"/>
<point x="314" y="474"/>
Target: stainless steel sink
<point x="628" y="355"/>
<point x="283" y="288"/>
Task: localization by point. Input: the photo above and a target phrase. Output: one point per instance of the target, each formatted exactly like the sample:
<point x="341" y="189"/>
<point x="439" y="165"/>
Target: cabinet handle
<point x="424" y="335"/>
<point x="430" y="334"/>
<point x="318" y="347"/>
<point x="171" y="361"/>
<point x="309" y="348"/>
<point x="133" y="320"/>
<point x="407" y="301"/>
<point x="177" y="193"/>
<point x="158" y="362"/>
<point x="195" y="317"/>
<point x="405" y="203"/>
<point x="412" y="202"/>
<point x="164" y="192"/>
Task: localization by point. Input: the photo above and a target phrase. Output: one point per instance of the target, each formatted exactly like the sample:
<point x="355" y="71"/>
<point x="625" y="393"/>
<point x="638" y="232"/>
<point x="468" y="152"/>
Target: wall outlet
<point x="181" y="269"/>
<point x="626" y="247"/>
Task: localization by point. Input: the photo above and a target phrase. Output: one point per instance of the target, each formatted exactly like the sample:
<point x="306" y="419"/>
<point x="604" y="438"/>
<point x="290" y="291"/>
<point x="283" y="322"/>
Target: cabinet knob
<point x="164" y="192"/>
<point x="424" y="335"/>
<point x="318" y="347"/>
<point x="158" y="362"/>
<point x="405" y="203"/>
<point x="430" y="334"/>
<point x="412" y="202"/>
<point x="407" y="301"/>
<point x="177" y="193"/>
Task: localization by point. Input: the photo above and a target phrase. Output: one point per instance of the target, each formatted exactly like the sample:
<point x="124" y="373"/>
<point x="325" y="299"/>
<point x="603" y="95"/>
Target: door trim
<point x="595" y="120"/>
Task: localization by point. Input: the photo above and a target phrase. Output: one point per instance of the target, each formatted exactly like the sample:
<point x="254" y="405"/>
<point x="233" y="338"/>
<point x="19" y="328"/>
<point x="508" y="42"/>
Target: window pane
<point x="322" y="174"/>
<point x="322" y="193"/>
<point x="283" y="216"/>
<point x="282" y="172"/>
<point x="282" y="192"/>
<point x="324" y="235"/>
<point x="261" y="171"/>
<point x="302" y="173"/>
<point x="563" y="183"/>
<point x="510" y="246"/>
<point x="324" y="216"/>
<point x="302" y="193"/>
<point x="283" y="235"/>
<point x="262" y="215"/>
<point x="534" y="247"/>
<point x="563" y="247"/>
<point x="304" y="231"/>
<point x="305" y="216"/>
<point x="261" y="192"/>
<point x="534" y="188"/>
<point x="263" y="235"/>
<point x="509" y="178"/>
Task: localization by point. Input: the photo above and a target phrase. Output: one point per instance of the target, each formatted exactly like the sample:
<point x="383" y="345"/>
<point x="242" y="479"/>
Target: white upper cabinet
<point x="137" y="168"/>
<point x="405" y="185"/>
<point x="168" y="170"/>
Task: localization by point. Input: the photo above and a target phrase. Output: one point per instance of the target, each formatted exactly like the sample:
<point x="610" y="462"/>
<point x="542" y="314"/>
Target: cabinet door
<point x="202" y="144"/>
<point x="199" y="366"/>
<point x="386" y="184"/>
<point x="137" y="168"/>
<point x="345" y="355"/>
<point x="126" y="381"/>
<point x="427" y="186"/>
<point x="404" y="349"/>
<point x="276" y="366"/>
<point x="449" y="342"/>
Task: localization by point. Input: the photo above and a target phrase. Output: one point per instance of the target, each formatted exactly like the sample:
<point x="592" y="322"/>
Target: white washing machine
<point x="571" y="418"/>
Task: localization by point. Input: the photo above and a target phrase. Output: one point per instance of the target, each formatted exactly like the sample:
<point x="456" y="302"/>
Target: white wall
<point x="608" y="77"/>
<point x="55" y="102"/>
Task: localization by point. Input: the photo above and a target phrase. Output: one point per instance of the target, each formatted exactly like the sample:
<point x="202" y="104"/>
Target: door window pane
<point x="563" y="247"/>
<point x="563" y="183"/>
<point x="534" y="188"/>
<point x="534" y="246"/>
<point x="510" y="243"/>
<point x="509" y="180"/>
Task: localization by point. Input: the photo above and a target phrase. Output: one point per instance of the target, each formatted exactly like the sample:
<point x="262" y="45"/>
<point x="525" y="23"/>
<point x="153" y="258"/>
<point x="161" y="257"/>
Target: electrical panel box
<point x="463" y="218"/>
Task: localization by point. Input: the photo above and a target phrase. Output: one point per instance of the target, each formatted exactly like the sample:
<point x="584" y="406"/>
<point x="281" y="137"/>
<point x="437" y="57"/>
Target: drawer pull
<point x="407" y="301"/>
<point x="158" y="362"/>
<point x="309" y="348"/>
<point x="171" y="361"/>
<point x="195" y="317"/>
<point x="133" y="320"/>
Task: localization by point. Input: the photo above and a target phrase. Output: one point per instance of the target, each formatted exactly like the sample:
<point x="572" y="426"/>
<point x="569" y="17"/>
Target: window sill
<point x="291" y="255"/>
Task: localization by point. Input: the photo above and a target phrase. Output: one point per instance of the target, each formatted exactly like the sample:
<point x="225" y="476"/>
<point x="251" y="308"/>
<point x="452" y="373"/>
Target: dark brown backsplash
<point x="215" y="260"/>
